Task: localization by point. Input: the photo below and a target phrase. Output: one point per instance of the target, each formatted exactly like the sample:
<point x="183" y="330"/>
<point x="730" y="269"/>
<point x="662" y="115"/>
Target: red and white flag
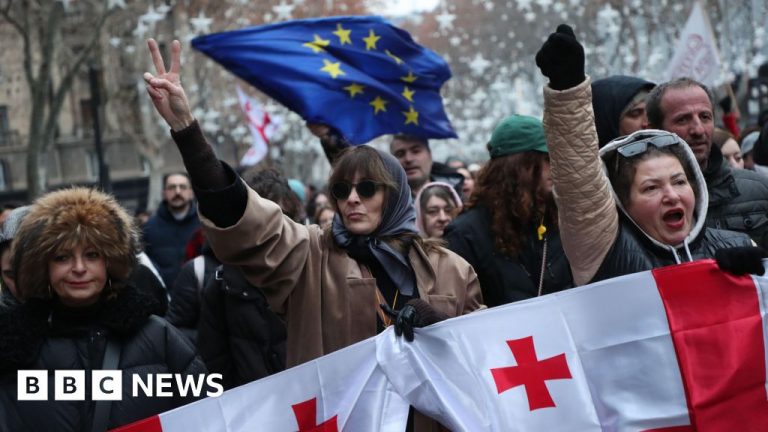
<point x="676" y="349"/>
<point x="696" y="55"/>
<point x="680" y="348"/>
<point x="343" y="391"/>
<point x="261" y="125"/>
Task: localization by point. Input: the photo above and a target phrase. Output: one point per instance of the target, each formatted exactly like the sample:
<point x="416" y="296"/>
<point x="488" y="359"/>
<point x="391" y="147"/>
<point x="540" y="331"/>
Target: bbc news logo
<point x="69" y="385"/>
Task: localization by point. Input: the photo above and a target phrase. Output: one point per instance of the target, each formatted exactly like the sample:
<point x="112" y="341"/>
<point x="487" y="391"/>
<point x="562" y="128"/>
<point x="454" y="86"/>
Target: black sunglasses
<point x="365" y="189"/>
<point x="638" y="147"/>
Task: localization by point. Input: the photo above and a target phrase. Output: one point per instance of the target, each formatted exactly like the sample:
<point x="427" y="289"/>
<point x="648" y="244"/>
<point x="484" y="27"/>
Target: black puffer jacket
<point x="504" y="279"/>
<point x="239" y="336"/>
<point x="47" y="335"/>
<point x="738" y="199"/>
<point x="633" y="252"/>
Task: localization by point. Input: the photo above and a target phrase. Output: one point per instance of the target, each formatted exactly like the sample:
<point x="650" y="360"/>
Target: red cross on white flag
<point x="261" y="125"/>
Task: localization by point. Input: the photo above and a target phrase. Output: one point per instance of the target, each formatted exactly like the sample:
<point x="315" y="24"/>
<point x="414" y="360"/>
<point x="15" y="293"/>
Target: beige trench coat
<point x="320" y="290"/>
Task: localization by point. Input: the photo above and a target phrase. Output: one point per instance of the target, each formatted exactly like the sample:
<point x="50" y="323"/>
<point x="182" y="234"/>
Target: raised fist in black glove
<point x="415" y="313"/>
<point x="741" y="260"/>
<point x="561" y="59"/>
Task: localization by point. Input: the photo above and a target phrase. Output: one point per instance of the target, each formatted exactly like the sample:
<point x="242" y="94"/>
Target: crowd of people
<point x="246" y="273"/>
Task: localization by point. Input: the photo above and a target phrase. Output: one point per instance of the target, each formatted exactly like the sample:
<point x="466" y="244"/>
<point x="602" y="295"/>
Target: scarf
<point x="399" y="217"/>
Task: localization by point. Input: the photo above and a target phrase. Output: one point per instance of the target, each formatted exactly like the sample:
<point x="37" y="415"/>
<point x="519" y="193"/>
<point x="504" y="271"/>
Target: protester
<point x="415" y="156"/>
<point x="728" y="147"/>
<point x="317" y="200"/>
<point x="174" y="223"/>
<point x="738" y="199"/>
<point x="469" y="183"/>
<point x="72" y="256"/>
<point x="659" y="186"/>
<point x="619" y="105"/>
<point x="748" y="143"/>
<point x="510" y="233"/>
<point x="436" y="205"/>
<point x="8" y="232"/>
<point x="324" y="216"/>
<point x="239" y="335"/>
<point x="326" y="283"/>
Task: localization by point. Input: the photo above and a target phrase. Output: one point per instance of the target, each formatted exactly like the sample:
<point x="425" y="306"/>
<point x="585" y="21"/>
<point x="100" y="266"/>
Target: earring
<point x="109" y="282"/>
<point x="50" y="291"/>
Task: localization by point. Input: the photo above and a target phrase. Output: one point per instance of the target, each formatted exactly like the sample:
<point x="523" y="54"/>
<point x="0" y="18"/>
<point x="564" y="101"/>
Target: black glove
<point x="726" y="104"/>
<point x="415" y="313"/>
<point x="741" y="260"/>
<point x="561" y="59"/>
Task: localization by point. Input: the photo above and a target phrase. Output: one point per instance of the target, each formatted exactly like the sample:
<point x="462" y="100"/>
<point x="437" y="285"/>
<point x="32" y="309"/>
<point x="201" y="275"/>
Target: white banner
<point x="696" y="55"/>
<point x="680" y="348"/>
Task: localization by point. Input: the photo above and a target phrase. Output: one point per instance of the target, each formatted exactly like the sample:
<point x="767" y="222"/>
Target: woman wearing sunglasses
<point x="330" y="284"/>
<point x="644" y="206"/>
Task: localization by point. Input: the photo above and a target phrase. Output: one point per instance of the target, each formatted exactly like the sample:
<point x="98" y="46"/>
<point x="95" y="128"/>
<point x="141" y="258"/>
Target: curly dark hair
<point x="507" y="187"/>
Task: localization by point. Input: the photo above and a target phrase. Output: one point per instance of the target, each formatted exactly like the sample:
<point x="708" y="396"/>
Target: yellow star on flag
<point x="370" y="41"/>
<point x="354" y="89"/>
<point x="379" y="104"/>
<point x="343" y="34"/>
<point x="394" y="57"/>
<point x="408" y="94"/>
<point x="318" y="44"/>
<point x="332" y="68"/>
<point x="411" y="116"/>
<point x="410" y="78"/>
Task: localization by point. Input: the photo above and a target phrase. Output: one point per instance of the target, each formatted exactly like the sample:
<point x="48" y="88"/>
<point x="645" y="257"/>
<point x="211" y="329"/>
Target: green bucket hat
<point x="517" y="134"/>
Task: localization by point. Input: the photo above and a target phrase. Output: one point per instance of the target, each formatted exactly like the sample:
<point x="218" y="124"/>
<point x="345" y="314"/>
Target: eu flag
<point x="361" y="75"/>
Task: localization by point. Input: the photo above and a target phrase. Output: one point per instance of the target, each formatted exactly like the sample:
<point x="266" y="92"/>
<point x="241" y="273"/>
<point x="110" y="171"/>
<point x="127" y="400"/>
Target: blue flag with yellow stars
<point x="361" y="75"/>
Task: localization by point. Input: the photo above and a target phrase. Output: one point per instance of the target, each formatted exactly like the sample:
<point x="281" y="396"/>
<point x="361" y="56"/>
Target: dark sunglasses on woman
<point x="365" y="189"/>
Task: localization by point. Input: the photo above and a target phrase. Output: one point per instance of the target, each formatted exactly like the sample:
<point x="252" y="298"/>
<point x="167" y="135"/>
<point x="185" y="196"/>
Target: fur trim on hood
<point x="64" y="219"/>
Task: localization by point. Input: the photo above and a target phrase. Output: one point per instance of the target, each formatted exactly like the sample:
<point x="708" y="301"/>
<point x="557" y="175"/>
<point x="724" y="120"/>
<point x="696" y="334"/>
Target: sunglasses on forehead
<point x="365" y="189"/>
<point x="641" y="146"/>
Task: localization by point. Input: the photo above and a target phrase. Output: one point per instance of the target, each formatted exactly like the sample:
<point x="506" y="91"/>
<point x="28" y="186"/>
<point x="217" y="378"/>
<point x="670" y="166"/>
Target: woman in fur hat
<point x="72" y="257"/>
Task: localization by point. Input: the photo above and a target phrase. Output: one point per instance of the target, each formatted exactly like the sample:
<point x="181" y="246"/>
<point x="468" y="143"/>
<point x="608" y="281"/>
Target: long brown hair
<point x="507" y="187"/>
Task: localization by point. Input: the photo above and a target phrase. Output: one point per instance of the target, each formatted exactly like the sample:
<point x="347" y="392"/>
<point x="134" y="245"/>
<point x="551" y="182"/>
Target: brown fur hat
<point x="67" y="218"/>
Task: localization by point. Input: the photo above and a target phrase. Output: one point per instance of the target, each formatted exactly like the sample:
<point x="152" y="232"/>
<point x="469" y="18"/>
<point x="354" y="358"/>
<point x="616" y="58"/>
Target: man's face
<point x="177" y="192"/>
<point x="415" y="159"/>
<point x="688" y="113"/>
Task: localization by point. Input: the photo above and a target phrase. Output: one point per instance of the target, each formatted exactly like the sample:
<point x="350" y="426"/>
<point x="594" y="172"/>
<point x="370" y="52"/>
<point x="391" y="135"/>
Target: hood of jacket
<point x="698" y="183"/>
<point x="609" y="98"/>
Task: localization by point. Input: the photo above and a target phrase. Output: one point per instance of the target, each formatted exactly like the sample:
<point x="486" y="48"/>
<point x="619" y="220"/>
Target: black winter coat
<point x="184" y="308"/>
<point x="239" y="336"/>
<point x="504" y="279"/>
<point x="166" y="240"/>
<point x="47" y="335"/>
<point x="632" y="251"/>
<point x="738" y="199"/>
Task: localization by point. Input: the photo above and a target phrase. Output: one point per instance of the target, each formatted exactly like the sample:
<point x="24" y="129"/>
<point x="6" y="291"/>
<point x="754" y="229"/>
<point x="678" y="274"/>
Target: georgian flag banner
<point x="680" y="348"/>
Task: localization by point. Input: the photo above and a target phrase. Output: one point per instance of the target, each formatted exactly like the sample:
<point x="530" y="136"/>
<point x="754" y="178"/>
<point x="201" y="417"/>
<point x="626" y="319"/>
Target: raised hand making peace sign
<point x="165" y="88"/>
